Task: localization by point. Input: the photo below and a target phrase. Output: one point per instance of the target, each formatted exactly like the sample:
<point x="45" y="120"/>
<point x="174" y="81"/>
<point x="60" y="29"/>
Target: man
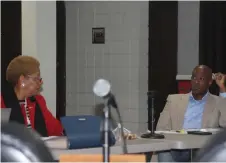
<point x="195" y="110"/>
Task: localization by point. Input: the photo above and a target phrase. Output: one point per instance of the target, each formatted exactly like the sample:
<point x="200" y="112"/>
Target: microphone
<point x="152" y="134"/>
<point x="102" y="88"/>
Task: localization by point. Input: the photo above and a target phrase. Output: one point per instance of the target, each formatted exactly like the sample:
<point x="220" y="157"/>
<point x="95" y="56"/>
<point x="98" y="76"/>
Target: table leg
<point x="193" y="153"/>
<point x="148" y="156"/>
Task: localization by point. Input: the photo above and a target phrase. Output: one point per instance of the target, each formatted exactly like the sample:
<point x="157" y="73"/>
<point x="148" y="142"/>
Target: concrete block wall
<point x="122" y="60"/>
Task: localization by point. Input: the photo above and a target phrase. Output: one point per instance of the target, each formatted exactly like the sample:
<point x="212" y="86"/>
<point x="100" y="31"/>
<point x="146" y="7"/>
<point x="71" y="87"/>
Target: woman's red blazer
<point x="53" y="126"/>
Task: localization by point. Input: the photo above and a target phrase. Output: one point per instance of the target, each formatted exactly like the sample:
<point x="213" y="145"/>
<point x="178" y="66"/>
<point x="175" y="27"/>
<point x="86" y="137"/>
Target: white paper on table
<point x="48" y="138"/>
<point x="56" y="142"/>
<point x="164" y="132"/>
<point x="168" y="132"/>
<point x="212" y="130"/>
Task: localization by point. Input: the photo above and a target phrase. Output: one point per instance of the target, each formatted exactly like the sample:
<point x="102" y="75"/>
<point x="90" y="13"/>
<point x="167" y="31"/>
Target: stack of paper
<point x="168" y="132"/>
<point x="56" y="142"/>
<point x="212" y="130"/>
<point x="48" y="138"/>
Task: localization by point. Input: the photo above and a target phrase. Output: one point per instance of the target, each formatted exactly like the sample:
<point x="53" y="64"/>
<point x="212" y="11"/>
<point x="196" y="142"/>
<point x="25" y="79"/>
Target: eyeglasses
<point x="35" y="78"/>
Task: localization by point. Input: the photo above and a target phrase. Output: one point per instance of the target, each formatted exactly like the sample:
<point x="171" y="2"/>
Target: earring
<point x="22" y="84"/>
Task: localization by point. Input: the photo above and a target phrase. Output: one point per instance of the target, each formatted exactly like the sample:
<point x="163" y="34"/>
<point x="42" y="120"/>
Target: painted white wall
<point x="122" y="60"/>
<point x="188" y="37"/>
<point x="39" y="40"/>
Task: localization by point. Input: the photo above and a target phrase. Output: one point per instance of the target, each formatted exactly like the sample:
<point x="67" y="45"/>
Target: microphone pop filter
<point x="101" y="88"/>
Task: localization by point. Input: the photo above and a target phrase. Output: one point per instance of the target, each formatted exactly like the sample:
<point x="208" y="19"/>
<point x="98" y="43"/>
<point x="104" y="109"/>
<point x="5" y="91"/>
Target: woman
<point x="21" y="94"/>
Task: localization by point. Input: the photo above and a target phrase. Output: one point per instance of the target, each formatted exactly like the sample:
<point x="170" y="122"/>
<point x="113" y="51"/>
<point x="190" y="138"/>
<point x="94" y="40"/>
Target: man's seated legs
<point x="174" y="156"/>
<point x="165" y="156"/>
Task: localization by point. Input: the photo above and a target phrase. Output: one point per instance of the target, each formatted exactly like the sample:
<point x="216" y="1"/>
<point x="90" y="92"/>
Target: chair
<point x="19" y="144"/>
<point x="214" y="150"/>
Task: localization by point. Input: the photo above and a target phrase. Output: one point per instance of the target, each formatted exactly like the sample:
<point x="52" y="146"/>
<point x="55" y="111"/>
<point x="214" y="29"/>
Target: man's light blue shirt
<point x="223" y="95"/>
<point x="194" y="112"/>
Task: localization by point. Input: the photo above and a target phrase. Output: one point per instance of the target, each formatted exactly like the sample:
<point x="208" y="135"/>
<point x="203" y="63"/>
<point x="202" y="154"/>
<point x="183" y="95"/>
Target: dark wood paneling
<point x="163" y="27"/>
<point x="212" y="37"/>
<point x="11" y="45"/>
<point x="61" y="59"/>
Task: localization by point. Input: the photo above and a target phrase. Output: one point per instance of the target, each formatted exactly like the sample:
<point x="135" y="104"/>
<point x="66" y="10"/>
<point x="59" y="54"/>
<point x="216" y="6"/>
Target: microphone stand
<point x="152" y="135"/>
<point x="106" y="133"/>
<point x="100" y="88"/>
<point x="113" y="103"/>
<point x="124" y="147"/>
<point x="110" y="101"/>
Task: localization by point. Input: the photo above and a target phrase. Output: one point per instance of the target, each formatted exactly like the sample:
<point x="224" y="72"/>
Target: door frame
<point x="163" y="41"/>
<point x="61" y="59"/>
<point x="11" y="34"/>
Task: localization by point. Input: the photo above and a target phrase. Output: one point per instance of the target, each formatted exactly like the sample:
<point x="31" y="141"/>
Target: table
<point x="58" y="145"/>
<point x="187" y="141"/>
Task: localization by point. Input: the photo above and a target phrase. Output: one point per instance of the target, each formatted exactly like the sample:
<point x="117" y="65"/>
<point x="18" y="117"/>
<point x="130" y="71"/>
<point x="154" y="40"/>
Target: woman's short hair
<point x="21" y="65"/>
